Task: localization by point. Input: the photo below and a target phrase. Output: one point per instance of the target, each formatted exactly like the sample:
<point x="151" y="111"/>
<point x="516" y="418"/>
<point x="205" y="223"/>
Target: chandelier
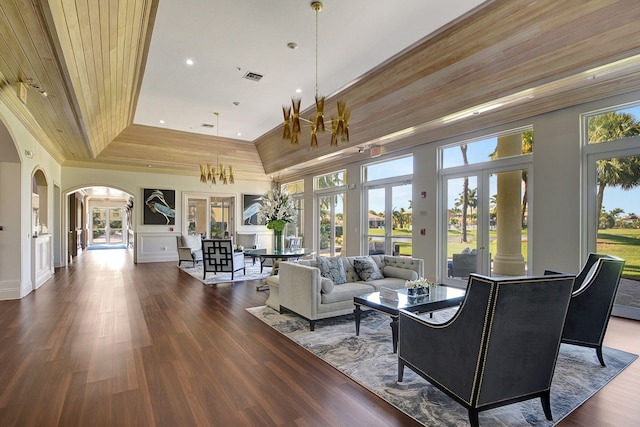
<point x="339" y="124"/>
<point x="218" y="173"/>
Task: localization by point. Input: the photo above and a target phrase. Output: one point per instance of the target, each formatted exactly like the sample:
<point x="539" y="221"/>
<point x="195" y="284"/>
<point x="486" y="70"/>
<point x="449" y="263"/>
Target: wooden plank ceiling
<point x="528" y="57"/>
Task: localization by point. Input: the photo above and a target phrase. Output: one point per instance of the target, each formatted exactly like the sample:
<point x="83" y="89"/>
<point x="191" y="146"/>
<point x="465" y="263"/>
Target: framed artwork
<point x="251" y="204"/>
<point x="159" y="207"/>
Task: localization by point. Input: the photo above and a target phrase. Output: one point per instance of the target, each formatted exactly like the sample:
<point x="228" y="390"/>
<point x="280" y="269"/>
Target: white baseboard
<point x="10" y="289"/>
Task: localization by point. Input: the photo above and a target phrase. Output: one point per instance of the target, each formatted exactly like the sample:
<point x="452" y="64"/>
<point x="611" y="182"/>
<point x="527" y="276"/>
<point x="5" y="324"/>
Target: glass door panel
<point x="99" y="225"/>
<point x="115" y="235"/>
<point x="618" y="226"/>
<point x="196" y="216"/>
<point x="331" y="223"/>
<point x="222" y="217"/>
<point x="376" y="220"/>
<point x="389" y="220"/>
<point x="462" y="227"/>
<point x="401" y="241"/>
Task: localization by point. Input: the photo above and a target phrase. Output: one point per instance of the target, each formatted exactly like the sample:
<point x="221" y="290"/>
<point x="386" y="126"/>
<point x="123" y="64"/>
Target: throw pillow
<point x="332" y="268"/>
<point x="367" y="269"/>
<point x="326" y="285"/>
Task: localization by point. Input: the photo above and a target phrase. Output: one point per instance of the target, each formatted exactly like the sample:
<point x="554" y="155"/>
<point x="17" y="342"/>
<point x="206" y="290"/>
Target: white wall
<point x="17" y="195"/>
<point x="157" y="243"/>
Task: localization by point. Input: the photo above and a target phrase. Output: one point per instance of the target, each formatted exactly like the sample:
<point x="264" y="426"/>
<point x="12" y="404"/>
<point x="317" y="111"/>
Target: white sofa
<point x="301" y="289"/>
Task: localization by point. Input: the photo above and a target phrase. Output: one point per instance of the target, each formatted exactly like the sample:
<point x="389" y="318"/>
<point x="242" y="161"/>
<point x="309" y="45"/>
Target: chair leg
<point x="473" y="417"/>
<point x="545" y="399"/>
<point x="599" y="354"/>
<point x="312" y="325"/>
<point x="400" y="370"/>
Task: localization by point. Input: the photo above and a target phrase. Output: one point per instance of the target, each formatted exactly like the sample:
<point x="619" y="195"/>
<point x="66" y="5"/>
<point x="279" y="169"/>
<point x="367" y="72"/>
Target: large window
<point x="612" y="186"/>
<point x="330" y="194"/>
<point x="485" y="207"/>
<point x="388" y="200"/>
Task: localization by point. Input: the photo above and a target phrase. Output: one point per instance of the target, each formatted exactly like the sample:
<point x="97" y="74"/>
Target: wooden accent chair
<point x="500" y="348"/>
<point x="218" y="256"/>
<point x="592" y="301"/>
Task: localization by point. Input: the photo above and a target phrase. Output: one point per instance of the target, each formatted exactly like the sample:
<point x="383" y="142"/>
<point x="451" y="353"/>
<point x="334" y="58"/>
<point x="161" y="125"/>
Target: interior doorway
<point x="99" y="218"/>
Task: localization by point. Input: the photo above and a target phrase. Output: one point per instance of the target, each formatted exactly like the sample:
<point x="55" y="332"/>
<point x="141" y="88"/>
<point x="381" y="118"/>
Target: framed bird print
<point x="159" y="207"/>
<point x="251" y="204"/>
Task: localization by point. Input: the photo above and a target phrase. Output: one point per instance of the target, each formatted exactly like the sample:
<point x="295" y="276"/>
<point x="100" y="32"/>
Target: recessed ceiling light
<point x="161" y="121"/>
<point x="239" y="133"/>
<point x="298" y="90"/>
<point x="292" y="45"/>
<point x="189" y="61"/>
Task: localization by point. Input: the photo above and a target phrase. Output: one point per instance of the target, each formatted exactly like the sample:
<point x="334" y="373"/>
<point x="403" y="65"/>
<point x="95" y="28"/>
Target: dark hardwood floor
<point x="109" y="343"/>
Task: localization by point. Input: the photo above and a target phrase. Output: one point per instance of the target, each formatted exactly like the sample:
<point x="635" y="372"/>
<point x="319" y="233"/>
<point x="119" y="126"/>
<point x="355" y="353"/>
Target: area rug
<point x="369" y="360"/>
<point x="252" y="273"/>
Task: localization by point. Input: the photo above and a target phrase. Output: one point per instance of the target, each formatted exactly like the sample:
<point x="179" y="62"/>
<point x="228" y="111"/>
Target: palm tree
<point x="465" y="197"/>
<point x="527" y="148"/>
<point x="620" y="171"/>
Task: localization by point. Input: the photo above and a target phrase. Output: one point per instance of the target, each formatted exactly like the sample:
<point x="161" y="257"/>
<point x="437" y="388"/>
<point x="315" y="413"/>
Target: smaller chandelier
<point x="218" y="173"/>
<point x="292" y="119"/>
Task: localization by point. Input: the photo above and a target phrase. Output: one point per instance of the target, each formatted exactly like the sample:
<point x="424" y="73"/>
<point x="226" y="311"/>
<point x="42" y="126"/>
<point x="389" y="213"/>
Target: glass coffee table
<point x="439" y="297"/>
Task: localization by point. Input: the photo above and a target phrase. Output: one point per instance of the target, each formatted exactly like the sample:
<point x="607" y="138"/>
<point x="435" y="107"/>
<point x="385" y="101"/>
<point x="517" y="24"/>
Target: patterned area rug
<point x="252" y="273"/>
<point x="369" y="360"/>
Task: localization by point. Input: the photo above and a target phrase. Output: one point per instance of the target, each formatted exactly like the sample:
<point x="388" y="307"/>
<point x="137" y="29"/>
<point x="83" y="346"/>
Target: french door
<point x="612" y="215"/>
<point x="106" y="226"/>
<point x="208" y="215"/>
<point x="389" y="219"/>
<point x="484" y="221"/>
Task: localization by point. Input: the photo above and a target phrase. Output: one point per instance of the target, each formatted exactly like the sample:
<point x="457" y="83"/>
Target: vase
<point x="278" y="241"/>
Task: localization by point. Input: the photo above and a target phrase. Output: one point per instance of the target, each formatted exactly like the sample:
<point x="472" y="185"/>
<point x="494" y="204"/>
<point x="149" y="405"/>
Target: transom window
<point x="485" y="149"/>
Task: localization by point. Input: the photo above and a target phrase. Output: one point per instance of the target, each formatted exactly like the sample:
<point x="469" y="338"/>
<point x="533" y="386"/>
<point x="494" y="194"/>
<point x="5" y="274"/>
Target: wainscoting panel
<point x="156" y="247"/>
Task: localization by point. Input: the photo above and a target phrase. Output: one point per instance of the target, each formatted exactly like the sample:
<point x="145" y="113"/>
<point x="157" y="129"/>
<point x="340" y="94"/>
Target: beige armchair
<point x="247" y="240"/>
<point x="189" y="248"/>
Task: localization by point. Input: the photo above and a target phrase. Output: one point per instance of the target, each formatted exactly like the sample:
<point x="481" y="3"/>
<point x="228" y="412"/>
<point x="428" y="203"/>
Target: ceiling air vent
<point x="249" y="75"/>
<point x="207" y="125"/>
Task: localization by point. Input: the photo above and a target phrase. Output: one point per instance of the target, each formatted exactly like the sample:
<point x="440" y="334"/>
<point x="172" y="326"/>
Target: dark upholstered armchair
<point x="218" y="256"/>
<point x="592" y="301"/>
<point x="500" y="347"/>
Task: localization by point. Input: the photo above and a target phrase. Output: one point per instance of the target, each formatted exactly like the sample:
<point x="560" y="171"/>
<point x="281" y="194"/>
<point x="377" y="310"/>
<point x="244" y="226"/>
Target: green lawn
<point x="621" y="242"/>
<point x="624" y="243"/>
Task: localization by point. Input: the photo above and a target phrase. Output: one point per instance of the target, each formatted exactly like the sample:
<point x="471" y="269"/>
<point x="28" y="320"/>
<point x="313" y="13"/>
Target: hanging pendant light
<point x="292" y="120"/>
<point x="213" y="174"/>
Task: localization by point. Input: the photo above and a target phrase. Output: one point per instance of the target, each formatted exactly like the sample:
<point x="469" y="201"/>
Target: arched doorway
<point x="99" y="217"/>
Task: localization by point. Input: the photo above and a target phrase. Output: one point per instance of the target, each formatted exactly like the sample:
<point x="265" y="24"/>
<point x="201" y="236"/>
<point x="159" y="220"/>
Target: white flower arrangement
<point x="418" y="283"/>
<point x="277" y="209"/>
